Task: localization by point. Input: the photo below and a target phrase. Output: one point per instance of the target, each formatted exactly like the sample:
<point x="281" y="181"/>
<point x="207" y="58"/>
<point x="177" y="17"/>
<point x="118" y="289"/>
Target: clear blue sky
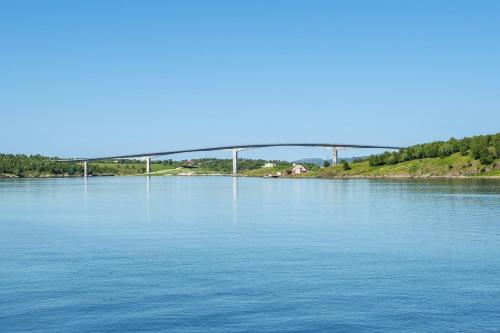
<point x="101" y="77"/>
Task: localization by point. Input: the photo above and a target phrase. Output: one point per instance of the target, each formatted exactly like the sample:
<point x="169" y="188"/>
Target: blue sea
<point x="223" y="254"/>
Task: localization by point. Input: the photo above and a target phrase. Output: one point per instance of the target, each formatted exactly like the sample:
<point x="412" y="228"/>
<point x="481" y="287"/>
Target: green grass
<point x="455" y="165"/>
<point x="264" y="171"/>
<point x="451" y="166"/>
<point x="175" y="171"/>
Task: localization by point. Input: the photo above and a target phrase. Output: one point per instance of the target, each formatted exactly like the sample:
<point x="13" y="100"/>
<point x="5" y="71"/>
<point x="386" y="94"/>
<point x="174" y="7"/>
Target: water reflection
<point x="235" y="199"/>
<point x="85" y="193"/>
<point x="148" y="198"/>
<point x="85" y="187"/>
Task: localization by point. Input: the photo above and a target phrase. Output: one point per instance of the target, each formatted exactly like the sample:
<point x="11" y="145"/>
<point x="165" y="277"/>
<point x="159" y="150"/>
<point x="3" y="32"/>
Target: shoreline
<point x="394" y="177"/>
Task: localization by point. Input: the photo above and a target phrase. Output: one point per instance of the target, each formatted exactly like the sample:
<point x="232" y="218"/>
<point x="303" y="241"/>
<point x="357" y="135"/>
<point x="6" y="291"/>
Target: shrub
<point x="392" y="158"/>
<point x="486" y="157"/>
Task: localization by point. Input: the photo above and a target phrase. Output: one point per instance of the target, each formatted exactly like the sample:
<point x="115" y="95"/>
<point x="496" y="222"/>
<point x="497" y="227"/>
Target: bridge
<point x="234" y="149"/>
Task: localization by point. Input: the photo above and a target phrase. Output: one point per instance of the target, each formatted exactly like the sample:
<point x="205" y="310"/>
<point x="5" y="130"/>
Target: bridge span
<point x="235" y="149"/>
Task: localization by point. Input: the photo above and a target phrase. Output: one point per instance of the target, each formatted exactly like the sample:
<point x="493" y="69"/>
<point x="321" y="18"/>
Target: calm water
<point x="213" y="254"/>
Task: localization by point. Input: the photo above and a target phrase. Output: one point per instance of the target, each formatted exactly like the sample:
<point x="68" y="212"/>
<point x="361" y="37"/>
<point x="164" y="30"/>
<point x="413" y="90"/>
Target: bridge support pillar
<point x="85" y="169"/>
<point x="334" y="156"/>
<point x="235" y="161"/>
<point x="148" y="164"/>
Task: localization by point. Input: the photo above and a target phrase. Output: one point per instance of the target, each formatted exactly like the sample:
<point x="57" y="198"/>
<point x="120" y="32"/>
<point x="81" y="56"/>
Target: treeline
<point x="26" y="165"/>
<point x="485" y="148"/>
<point x="223" y="165"/>
<point x="37" y="165"/>
<point x="226" y="165"/>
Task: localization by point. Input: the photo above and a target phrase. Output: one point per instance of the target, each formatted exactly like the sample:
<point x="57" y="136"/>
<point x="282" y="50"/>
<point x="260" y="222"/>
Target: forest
<point x="485" y="148"/>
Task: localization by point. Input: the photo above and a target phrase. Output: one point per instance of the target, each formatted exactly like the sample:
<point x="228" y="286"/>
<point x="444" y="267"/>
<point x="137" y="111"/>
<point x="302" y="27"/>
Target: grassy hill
<point x="476" y="156"/>
<point x="454" y="165"/>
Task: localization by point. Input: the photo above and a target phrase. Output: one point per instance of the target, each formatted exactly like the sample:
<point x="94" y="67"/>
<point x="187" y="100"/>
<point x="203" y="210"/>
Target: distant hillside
<point x="317" y="161"/>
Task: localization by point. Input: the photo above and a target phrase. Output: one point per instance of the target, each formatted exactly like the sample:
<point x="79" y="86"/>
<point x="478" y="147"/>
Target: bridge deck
<point x="173" y="152"/>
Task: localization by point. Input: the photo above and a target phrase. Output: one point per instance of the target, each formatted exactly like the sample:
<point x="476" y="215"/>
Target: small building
<point x="298" y="169"/>
<point x="269" y="165"/>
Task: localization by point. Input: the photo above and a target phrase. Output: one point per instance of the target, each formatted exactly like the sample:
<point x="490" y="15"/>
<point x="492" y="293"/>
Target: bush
<point x="406" y="156"/>
<point x="486" y="157"/>
<point x="392" y="158"/>
<point x="375" y="160"/>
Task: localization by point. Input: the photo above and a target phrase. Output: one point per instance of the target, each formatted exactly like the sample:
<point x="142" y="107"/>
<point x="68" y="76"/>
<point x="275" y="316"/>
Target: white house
<point x="269" y="165"/>
<point x="298" y="169"/>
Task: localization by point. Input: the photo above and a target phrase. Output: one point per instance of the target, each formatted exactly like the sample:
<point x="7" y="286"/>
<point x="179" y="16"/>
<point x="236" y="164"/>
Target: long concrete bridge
<point x="234" y="149"/>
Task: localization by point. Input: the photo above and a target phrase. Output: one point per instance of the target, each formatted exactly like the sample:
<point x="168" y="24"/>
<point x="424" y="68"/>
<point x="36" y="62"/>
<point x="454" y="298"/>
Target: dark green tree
<point x="345" y="166"/>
